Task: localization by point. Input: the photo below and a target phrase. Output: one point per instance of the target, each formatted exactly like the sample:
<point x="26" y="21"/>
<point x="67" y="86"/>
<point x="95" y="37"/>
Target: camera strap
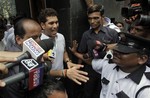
<point x="142" y="88"/>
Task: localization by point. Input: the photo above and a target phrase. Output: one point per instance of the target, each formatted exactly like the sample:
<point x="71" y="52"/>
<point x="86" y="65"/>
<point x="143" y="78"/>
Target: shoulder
<point x="114" y="27"/>
<point x="60" y="36"/>
<point x="43" y="36"/>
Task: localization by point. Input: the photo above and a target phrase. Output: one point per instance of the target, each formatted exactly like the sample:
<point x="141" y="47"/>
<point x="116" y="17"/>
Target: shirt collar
<point x="136" y="75"/>
<point x="102" y="29"/>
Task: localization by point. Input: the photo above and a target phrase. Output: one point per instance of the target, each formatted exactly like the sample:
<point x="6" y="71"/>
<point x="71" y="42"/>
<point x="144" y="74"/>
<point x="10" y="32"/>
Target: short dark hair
<point x="47" y="88"/>
<point x="117" y="22"/>
<point x="96" y="8"/>
<point x="46" y="13"/>
<point x="19" y="29"/>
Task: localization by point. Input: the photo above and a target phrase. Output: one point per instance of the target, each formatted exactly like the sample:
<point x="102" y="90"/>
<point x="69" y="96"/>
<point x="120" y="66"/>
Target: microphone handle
<point x="15" y="78"/>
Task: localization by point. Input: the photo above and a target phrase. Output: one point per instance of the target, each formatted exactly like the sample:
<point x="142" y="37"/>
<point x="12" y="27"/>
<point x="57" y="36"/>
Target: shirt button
<point x="112" y="93"/>
<point x="116" y="81"/>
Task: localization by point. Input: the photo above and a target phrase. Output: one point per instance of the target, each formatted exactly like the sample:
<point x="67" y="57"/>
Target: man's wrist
<point x="68" y="61"/>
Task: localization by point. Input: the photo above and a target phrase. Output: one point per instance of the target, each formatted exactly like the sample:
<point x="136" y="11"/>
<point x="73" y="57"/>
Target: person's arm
<point x="89" y="3"/>
<point x="73" y="49"/>
<point x="6" y="56"/>
<point x="68" y="61"/>
<point x="73" y="74"/>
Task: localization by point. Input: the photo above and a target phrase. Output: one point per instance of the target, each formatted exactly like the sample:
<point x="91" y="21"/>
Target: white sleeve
<point x="98" y="64"/>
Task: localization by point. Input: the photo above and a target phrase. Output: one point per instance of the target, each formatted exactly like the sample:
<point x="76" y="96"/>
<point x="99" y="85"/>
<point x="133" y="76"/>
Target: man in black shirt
<point x="97" y="32"/>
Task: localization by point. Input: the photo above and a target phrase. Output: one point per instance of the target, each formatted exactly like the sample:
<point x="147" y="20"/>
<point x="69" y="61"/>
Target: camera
<point x="143" y="20"/>
<point x="131" y="11"/>
<point x="96" y="49"/>
<point x="138" y="8"/>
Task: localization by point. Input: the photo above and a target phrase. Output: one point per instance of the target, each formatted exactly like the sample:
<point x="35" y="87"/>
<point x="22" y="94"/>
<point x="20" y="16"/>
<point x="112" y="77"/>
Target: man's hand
<point x="3" y="70"/>
<point x="70" y="64"/>
<point x="74" y="47"/>
<point x="77" y="75"/>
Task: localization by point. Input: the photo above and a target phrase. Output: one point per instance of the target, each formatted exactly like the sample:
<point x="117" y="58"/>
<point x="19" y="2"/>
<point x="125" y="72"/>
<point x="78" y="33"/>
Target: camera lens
<point x="143" y="20"/>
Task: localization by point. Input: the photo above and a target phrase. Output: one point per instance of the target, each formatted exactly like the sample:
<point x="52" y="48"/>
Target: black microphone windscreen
<point x="46" y="44"/>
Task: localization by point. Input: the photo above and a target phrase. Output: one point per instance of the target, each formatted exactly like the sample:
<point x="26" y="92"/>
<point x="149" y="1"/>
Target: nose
<point x="132" y="31"/>
<point x="55" y="25"/>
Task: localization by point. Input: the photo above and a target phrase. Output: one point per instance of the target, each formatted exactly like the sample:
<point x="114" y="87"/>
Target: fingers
<point x="82" y="72"/>
<point x="77" y="75"/>
<point x="75" y="44"/>
<point x="82" y="78"/>
<point x="3" y="68"/>
<point x="2" y="84"/>
<point x="76" y="81"/>
<point x="78" y="66"/>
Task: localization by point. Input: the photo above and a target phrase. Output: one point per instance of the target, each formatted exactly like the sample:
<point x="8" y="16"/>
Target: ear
<point x="42" y="25"/>
<point x="19" y="40"/>
<point x="142" y="59"/>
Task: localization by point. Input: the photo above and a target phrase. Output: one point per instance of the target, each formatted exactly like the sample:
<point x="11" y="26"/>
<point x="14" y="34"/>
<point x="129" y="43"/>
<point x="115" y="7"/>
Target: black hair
<point x="19" y="29"/>
<point x="47" y="88"/>
<point x="46" y="13"/>
<point x="96" y="8"/>
<point x="117" y="22"/>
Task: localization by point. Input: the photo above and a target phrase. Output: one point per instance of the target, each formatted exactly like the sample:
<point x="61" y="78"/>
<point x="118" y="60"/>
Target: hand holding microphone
<point x="31" y="68"/>
<point x="3" y="70"/>
<point x="32" y="49"/>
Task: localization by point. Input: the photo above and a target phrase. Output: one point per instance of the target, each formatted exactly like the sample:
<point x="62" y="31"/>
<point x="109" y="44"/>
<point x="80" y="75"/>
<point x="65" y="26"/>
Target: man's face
<point x="137" y="31"/>
<point x="94" y="19"/>
<point x="50" y="27"/>
<point x="126" y="61"/>
<point x="140" y="31"/>
<point x="58" y="94"/>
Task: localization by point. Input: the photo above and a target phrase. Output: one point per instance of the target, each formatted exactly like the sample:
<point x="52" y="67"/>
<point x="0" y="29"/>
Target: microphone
<point x="33" y="50"/>
<point x="31" y="70"/>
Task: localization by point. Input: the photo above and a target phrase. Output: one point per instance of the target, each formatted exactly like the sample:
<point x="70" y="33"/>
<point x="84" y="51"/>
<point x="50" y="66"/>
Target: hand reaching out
<point x="77" y="75"/>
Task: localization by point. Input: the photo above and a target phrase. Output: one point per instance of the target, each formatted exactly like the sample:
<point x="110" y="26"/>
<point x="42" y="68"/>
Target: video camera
<point x="140" y="8"/>
<point x="96" y="49"/>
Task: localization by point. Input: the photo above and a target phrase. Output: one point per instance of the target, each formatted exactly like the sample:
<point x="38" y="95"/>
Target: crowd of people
<point x="123" y="75"/>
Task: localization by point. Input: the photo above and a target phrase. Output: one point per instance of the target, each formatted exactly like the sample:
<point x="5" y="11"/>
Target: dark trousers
<point x="92" y="88"/>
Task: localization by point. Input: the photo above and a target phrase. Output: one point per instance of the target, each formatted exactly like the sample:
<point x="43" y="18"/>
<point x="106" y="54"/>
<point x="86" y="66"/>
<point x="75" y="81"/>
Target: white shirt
<point x="59" y="50"/>
<point x="115" y="81"/>
<point x="110" y="25"/>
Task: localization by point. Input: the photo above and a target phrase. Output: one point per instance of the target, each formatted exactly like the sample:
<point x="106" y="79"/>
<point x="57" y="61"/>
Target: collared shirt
<point x="59" y="50"/>
<point x="11" y="44"/>
<point x="110" y="25"/>
<point x="105" y="35"/>
<point x="118" y="83"/>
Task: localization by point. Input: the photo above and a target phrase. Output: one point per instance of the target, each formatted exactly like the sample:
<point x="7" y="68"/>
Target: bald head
<point x="27" y="28"/>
